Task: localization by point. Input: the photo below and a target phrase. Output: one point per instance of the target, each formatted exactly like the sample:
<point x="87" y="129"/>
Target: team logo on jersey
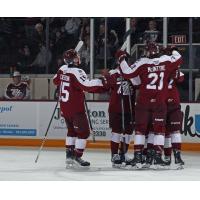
<point x="16" y="92"/>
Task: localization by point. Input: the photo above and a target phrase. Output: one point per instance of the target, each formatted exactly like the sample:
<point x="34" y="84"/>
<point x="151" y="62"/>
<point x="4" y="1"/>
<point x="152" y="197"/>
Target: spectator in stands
<point x="72" y="25"/>
<point x="42" y="60"/>
<point x="29" y="26"/>
<point x="151" y="34"/>
<point x="134" y="32"/>
<point x="59" y="43"/>
<point x="24" y="58"/>
<point x="17" y="90"/>
<point x="39" y="34"/>
<point x="112" y="45"/>
<point x="38" y="37"/>
<point x="85" y="28"/>
<point x="6" y="31"/>
<point x="72" y="28"/>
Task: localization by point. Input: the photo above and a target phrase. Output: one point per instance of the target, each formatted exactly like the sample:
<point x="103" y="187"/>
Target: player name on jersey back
<point x="64" y="77"/>
<point x="156" y="68"/>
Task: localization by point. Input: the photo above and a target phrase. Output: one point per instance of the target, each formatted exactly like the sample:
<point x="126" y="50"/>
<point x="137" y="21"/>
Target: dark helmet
<point x="152" y="49"/>
<point x="71" y="57"/>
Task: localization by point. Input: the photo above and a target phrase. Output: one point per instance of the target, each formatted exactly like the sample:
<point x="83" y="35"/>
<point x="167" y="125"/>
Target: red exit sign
<point x="178" y="39"/>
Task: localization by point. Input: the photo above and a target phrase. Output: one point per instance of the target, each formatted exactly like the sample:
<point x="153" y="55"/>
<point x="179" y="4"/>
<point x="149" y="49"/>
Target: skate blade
<point x="117" y="166"/>
<point x="78" y="166"/>
<point x="137" y="166"/>
<point x="69" y="165"/>
<point x="178" y="167"/>
<point x="160" y="167"/>
<point x="146" y="166"/>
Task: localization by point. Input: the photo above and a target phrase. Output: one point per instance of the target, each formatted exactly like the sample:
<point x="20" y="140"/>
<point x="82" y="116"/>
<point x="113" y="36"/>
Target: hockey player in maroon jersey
<point x="174" y="120"/>
<point x="18" y="90"/>
<point x="173" y="124"/>
<point x="154" y="72"/>
<point x="72" y="82"/>
<point x="115" y="84"/>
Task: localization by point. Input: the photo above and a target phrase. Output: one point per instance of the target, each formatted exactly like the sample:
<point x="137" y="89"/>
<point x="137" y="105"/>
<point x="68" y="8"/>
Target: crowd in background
<point x="28" y="46"/>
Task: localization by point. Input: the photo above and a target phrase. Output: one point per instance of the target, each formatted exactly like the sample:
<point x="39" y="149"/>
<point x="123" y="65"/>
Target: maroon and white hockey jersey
<point x="72" y="82"/>
<point x="19" y="91"/>
<point x="116" y="89"/>
<point x="173" y="93"/>
<point x="154" y="75"/>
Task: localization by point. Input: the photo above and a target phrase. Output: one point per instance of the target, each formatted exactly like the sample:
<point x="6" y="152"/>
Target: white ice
<point x="18" y="164"/>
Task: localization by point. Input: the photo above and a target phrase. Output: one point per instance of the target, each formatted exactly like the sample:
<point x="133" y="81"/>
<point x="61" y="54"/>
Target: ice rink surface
<point x="18" y="164"/>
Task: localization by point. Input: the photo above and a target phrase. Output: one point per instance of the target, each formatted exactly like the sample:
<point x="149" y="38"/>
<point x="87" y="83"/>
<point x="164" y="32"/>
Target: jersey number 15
<point x="64" y="92"/>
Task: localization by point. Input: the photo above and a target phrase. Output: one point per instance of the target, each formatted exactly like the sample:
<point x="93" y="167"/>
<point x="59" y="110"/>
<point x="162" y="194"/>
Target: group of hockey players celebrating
<point x="144" y="99"/>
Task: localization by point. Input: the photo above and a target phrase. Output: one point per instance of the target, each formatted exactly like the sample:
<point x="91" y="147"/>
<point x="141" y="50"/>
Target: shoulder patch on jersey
<point x="133" y="66"/>
<point x="156" y="62"/>
<point x="79" y="73"/>
<point x="139" y="63"/>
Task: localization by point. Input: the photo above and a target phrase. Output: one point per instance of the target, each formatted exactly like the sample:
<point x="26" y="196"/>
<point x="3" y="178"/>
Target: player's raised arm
<point x="174" y="57"/>
<point x="127" y="71"/>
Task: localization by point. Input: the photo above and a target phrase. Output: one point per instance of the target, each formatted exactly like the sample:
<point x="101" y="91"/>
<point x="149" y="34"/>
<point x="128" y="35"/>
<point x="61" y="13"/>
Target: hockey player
<point x="154" y="72"/>
<point x="72" y="82"/>
<point x="18" y="90"/>
<point x="174" y="120"/>
<point x="121" y="117"/>
<point x="173" y="124"/>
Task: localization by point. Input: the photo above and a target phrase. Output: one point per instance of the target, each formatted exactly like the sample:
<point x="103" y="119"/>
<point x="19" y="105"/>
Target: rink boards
<point x="25" y="123"/>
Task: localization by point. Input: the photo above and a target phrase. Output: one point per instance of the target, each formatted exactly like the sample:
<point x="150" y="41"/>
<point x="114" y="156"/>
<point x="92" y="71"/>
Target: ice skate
<point x="149" y="159"/>
<point x="116" y="161"/>
<point x="168" y="160"/>
<point x="69" y="158"/>
<point x="178" y="161"/>
<point x="137" y="160"/>
<point x="78" y="162"/>
<point x="125" y="159"/>
<point x="158" y="162"/>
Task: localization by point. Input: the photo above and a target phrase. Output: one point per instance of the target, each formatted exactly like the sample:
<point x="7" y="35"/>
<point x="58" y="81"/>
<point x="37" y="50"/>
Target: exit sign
<point x="178" y="39"/>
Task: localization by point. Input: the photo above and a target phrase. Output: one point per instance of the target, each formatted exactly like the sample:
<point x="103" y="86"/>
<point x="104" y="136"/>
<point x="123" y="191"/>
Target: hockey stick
<point x="45" y="136"/>
<point x="130" y="102"/>
<point x="79" y="46"/>
<point x="89" y="120"/>
<point x="123" y="147"/>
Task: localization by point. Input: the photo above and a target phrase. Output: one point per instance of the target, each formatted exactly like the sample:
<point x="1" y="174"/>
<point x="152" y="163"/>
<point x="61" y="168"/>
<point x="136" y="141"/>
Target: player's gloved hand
<point x="166" y="51"/>
<point x="174" y="48"/>
<point x="106" y="78"/>
<point x="104" y="81"/>
<point x="121" y="55"/>
<point x="105" y="72"/>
